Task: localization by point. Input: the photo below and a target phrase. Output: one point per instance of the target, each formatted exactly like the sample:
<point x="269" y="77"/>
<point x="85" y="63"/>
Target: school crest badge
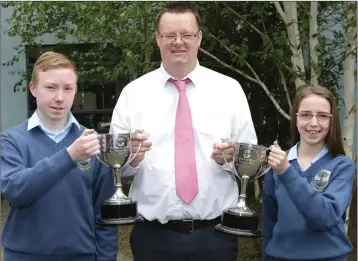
<point x="84" y="164"/>
<point x="321" y="180"/>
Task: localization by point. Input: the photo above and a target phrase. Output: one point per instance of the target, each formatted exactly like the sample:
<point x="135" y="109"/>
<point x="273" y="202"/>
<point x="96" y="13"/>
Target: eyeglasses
<point x="184" y="37"/>
<point x="320" y="116"/>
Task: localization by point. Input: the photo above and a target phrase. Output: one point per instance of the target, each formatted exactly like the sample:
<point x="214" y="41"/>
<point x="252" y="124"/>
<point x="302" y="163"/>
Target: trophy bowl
<point x="116" y="153"/>
<point x="249" y="163"/>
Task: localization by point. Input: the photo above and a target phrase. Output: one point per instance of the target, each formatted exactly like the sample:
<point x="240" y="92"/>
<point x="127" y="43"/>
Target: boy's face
<point x="54" y="91"/>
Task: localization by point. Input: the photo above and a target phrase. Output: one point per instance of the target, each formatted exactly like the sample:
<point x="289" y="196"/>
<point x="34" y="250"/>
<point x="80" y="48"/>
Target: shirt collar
<point x="293" y="153"/>
<point x="193" y="75"/>
<point x="35" y="121"/>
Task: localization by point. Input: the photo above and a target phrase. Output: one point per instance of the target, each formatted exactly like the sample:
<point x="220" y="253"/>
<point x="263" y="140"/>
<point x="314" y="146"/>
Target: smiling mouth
<point x="313" y="132"/>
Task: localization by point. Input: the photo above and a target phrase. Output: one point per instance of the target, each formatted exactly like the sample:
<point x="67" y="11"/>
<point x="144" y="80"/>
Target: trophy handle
<point x="139" y="147"/>
<point x="267" y="152"/>
<point x="263" y="173"/>
<point x="100" y="155"/>
<point x="233" y="170"/>
<point x="135" y="154"/>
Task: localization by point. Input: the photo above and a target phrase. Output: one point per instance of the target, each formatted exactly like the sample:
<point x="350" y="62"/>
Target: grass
<point x="124" y="246"/>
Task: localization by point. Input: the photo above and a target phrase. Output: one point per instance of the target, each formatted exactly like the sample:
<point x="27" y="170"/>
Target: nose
<point x="314" y="121"/>
<point x="59" y="96"/>
<point x="178" y="40"/>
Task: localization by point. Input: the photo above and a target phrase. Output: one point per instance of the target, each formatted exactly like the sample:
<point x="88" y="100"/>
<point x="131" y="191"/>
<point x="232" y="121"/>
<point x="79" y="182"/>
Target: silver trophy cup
<point x="249" y="163"/>
<point x="116" y="153"/>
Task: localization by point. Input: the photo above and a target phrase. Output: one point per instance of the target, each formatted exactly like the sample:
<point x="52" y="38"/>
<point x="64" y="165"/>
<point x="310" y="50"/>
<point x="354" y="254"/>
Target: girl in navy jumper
<point x="308" y="189"/>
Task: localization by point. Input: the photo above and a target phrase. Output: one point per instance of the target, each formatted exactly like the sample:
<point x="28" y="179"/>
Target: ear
<point x="157" y="38"/>
<point x="200" y="36"/>
<point x="32" y="88"/>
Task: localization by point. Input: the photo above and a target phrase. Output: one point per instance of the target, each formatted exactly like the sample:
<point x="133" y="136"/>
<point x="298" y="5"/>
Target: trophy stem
<point x="244" y="181"/>
<point x="117" y="177"/>
<point x="242" y="197"/>
<point x="241" y="206"/>
<point x="118" y="184"/>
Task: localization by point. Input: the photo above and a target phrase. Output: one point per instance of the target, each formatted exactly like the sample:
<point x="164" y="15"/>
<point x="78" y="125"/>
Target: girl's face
<point x="313" y="120"/>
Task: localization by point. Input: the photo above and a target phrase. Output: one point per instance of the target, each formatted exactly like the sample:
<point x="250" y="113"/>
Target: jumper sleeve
<point x="22" y="186"/>
<point x="269" y="211"/>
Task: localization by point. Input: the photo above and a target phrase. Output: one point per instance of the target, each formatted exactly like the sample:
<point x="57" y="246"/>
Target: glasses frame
<point x="313" y="115"/>
<point x="162" y="36"/>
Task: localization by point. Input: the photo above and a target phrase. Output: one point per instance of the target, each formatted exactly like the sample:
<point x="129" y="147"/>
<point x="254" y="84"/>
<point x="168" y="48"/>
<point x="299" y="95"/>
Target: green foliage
<point x="238" y="33"/>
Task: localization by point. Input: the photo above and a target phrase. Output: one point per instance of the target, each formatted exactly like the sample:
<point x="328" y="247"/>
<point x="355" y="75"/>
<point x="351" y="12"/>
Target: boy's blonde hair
<point x="51" y="60"/>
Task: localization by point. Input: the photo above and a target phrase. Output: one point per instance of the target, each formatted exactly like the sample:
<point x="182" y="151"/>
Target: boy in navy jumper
<point x="308" y="190"/>
<point x="51" y="177"/>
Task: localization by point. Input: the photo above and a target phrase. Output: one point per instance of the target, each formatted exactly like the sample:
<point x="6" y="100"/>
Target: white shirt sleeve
<point x="120" y="123"/>
<point x="243" y="127"/>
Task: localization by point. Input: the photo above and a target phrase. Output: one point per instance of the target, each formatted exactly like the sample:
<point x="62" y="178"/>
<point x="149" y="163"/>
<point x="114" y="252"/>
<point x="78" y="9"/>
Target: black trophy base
<point x="119" y="214"/>
<point x="242" y="226"/>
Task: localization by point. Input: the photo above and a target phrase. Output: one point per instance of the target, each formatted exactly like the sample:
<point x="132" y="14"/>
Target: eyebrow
<point x="182" y="32"/>
<point x="55" y="84"/>
<point x="50" y="82"/>
<point x="317" y="112"/>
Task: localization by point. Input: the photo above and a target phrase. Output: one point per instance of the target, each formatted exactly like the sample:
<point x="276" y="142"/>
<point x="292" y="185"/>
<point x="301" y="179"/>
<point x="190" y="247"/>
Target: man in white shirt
<point x="179" y="181"/>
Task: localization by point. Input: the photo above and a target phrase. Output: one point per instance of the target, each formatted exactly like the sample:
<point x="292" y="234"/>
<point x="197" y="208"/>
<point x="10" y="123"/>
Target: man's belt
<point x="185" y="225"/>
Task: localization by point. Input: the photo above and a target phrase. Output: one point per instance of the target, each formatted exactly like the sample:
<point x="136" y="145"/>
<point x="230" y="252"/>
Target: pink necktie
<point x="185" y="165"/>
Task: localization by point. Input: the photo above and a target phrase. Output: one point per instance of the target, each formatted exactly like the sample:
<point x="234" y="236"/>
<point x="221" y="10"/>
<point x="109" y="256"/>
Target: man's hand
<point x="222" y="148"/>
<point x="86" y="146"/>
<point x="136" y="138"/>
<point x="278" y="159"/>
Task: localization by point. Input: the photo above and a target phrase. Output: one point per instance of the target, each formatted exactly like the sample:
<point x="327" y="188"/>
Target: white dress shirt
<point x="219" y="109"/>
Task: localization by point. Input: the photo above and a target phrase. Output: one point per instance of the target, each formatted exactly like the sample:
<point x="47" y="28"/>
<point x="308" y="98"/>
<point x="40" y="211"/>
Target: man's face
<point x="178" y="39"/>
<point x="55" y="91"/>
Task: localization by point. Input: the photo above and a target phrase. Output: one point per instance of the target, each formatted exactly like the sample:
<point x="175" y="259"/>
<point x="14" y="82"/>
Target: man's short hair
<point x="51" y="60"/>
<point x="178" y="8"/>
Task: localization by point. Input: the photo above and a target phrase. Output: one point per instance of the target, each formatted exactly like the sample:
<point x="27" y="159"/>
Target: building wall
<point x="13" y="105"/>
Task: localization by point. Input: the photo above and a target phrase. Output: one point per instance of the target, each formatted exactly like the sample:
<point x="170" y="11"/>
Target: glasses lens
<point x="323" y="116"/>
<point x="305" y="115"/>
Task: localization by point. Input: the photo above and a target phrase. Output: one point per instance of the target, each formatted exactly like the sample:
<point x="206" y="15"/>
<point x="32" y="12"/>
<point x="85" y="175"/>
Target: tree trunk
<point x="350" y="106"/>
<point x="313" y="40"/>
<point x="289" y="16"/>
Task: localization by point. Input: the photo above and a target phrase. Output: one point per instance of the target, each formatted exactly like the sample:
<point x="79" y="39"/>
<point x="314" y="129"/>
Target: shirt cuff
<point x="128" y="170"/>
